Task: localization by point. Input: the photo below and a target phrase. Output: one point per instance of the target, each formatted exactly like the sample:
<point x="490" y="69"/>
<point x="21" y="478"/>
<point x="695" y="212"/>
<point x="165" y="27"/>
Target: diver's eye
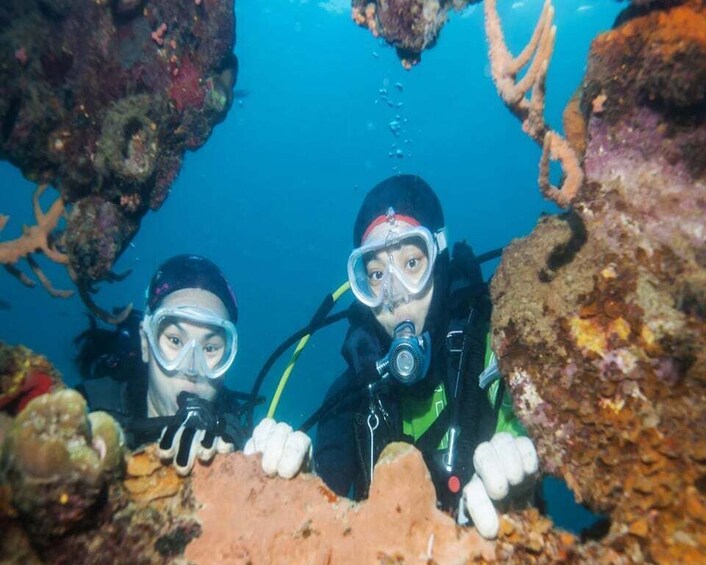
<point x="210" y="348"/>
<point x="412" y="263"/>
<point x="174" y="340"/>
<point x="375" y="276"/>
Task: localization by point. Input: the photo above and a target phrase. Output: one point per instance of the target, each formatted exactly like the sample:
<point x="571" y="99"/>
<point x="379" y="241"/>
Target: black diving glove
<point x="194" y="431"/>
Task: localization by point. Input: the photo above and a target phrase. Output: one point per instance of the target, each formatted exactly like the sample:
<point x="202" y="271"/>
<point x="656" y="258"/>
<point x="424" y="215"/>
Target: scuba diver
<point x="161" y="375"/>
<point x="420" y="367"/>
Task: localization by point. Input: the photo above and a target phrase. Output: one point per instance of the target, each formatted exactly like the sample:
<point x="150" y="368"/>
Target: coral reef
<point x="101" y="99"/>
<point x="58" y="459"/>
<point x="230" y="512"/>
<point x="409" y="25"/>
<point x="23" y="376"/>
<point x="50" y="508"/>
<point x="66" y="495"/>
<point x="599" y="319"/>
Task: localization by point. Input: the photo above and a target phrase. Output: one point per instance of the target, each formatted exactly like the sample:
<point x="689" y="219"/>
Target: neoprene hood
<point x="408" y="195"/>
<point x="191" y="271"/>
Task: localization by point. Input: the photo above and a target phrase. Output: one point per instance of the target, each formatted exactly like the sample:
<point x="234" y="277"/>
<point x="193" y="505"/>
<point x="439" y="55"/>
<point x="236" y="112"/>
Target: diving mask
<point x="395" y="269"/>
<point x="191" y="340"/>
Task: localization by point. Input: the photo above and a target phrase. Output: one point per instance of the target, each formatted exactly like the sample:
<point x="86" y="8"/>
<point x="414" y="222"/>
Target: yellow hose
<point x="295" y="355"/>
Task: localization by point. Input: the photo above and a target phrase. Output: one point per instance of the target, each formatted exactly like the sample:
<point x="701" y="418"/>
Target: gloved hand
<point x="284" y="451"/>
<point x="505" y="466"/>
<point x="195" y="431"/>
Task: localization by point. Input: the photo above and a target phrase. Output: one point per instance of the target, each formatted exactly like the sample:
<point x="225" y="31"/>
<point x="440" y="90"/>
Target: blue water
<point x="272" y="196"/>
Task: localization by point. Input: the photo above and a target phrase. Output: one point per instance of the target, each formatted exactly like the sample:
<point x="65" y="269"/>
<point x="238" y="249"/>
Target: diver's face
<point x="410" y="260"/>
<point x="164" y="387"/>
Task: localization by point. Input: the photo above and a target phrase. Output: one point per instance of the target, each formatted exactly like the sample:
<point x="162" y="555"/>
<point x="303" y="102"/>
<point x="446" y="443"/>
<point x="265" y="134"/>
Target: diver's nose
<point x="395" y="291"/>
<point x="190" y="365"/>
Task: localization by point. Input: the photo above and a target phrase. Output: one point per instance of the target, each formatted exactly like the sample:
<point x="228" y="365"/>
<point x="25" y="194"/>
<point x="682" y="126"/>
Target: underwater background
<point x="324" y="111"/>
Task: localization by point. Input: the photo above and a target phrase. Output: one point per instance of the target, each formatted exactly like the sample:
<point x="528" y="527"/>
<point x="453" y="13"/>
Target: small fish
<point x="5" y="305"/>
<point x="240" y="93"/>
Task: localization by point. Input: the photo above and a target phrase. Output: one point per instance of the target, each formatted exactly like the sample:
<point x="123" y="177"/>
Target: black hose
<point x="329" y="404"/>
<point x="490" y="255"/>
<point x="317" y="322"/>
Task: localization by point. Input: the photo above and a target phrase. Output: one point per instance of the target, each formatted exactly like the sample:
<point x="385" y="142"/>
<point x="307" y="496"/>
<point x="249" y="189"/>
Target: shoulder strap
<point x="473" y="416"/>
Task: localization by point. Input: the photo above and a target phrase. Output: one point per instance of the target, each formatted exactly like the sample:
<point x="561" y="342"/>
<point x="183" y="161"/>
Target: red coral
<point x="186" y="90"/>
<point x="23" y="376"/>
<point x="36" y="384"/>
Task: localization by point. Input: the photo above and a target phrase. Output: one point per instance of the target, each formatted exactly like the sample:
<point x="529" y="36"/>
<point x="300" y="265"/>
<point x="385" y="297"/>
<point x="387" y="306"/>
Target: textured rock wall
<point x="599" y="317"/>
<point x="102" y="99"/>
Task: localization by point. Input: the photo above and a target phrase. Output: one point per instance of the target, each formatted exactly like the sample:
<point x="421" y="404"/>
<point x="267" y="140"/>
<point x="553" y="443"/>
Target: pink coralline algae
<point x="301" y="521"/>
<point x="102" y="99"/>
<point x="187" y="90"/>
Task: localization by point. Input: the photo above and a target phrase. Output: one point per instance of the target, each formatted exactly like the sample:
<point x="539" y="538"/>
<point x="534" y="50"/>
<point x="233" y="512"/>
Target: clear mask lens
<point x="192" y="341"/>
<point x="393" y="270"/>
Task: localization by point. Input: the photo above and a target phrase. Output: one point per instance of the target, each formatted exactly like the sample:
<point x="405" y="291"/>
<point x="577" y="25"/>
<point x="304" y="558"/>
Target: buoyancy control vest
<point x="452" y="414"/>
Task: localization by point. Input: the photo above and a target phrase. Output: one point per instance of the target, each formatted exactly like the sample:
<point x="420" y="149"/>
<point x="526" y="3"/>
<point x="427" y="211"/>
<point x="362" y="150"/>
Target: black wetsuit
<point x="114" y="379"/>
<point x="126" y="401"/>
<point x="342" y="446"/>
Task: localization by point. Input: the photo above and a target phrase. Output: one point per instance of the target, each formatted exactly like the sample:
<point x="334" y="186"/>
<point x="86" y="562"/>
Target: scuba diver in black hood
<point x="420" y="368"/>
<point x="161" y="374"/>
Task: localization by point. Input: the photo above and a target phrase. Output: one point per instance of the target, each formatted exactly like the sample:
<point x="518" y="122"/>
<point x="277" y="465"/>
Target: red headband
<point x="382" y="219"/>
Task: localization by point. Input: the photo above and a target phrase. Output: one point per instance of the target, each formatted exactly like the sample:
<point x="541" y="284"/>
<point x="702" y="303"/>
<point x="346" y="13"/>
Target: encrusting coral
<point x="282" y="521"/>
<point x="67" y="495"/>
<point x="58" y="461"/>
<point x="101" y="100"/>
<point x="411" y="26"/>
<point x="24" y="375"/>
<point x="600" y="314"/>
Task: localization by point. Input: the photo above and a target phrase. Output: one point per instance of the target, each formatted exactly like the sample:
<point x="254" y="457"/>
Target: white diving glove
<point x="504" y="466"/>
<point x="284" y="451"/>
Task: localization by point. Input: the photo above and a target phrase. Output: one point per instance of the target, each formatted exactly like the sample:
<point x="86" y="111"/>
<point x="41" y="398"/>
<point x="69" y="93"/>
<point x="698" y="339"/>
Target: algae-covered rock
<point x="58" y="461"/>
<point x="599" y="315"/>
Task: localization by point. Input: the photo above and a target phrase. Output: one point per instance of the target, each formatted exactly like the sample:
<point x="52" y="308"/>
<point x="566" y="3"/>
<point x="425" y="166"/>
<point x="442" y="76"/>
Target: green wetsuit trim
<point x="418" y="414"/>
